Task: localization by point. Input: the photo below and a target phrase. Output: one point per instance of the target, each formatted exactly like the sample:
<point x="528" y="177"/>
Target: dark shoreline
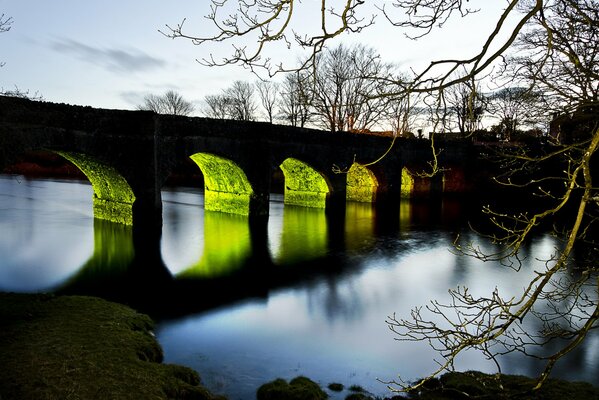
<point x="57" y="347"/>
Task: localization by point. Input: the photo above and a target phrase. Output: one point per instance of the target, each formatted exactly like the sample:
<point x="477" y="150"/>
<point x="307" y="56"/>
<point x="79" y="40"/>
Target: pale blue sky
<point x="110" y="54"/>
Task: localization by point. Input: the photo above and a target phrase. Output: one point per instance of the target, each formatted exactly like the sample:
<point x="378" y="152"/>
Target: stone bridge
<point x="128" y="156"/>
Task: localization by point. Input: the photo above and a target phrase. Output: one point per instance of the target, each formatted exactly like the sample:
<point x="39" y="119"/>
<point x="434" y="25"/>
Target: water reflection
<point x="304" y="235"/>
<point x="45" y="232"/>
<point x="240" y="324"/>
<point x="112" y="256"/>
<point x="226" y="244"/>
<point x="359" y="226"/>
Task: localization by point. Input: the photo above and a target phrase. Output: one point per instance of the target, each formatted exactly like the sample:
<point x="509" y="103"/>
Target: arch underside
<point x="304" y="186"/>
<point x="407" y="183"/>
<point x="113" y="197"/>
<point x="226" y="187"/>
<point x="361" y="184"/>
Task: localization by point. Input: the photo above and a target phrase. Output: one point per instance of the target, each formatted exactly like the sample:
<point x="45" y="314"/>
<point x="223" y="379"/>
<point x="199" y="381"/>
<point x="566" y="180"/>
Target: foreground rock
<point x="451" y="386"/>
<point x="59" y="347"/>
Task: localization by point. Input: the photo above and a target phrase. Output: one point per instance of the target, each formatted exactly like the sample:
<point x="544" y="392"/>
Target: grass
<point x="75" y="347"/>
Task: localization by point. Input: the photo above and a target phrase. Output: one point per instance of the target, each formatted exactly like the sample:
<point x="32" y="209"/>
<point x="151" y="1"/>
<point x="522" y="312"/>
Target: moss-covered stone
<point x="113" y="197"/>
<point x="226" y="187"/>
<point x="336" y="387"/>
<point x="300" y="388"/>
<point x="361" y="184"/>
<point x="304" y="186"/>
<point x="407" y="184"/>
<point x="60" y="347"/>
<point x="473" y="384"/>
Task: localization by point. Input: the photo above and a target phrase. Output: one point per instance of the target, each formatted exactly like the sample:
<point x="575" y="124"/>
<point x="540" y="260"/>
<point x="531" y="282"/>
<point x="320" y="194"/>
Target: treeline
<point x="350" y="88"/>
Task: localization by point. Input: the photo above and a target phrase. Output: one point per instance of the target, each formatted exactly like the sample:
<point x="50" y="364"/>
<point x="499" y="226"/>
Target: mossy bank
<point x="75" y="347"/>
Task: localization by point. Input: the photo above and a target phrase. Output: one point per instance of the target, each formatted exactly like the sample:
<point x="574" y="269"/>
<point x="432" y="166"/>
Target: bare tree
<point x="5" y="25"/>
<point x="235" y="102"/>
<point x="466" y="106"/>
<point x="170" y="102"/>
<point x="513" y="107"/>
<point x="557" y="55"/>
<point x="295" y="106"/>
<point x="268" y="91"/>
<point x="344" y="87"/>
<point x="242" y="104"/>
<point x="23" y="94"/>
<point x="218" y="106"/>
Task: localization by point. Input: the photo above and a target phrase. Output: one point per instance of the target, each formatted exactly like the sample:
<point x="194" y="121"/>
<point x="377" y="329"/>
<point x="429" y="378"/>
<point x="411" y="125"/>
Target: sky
<point x="110" y="54"/>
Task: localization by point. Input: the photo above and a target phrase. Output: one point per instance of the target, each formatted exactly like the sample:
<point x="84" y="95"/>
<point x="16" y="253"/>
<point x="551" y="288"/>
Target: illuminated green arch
<point x="407" y="183"/>
<point x="361" y="184"/>
<point x="304" y="186"/>
<point x="226" y="187"/>
<point x="113" y="197"/>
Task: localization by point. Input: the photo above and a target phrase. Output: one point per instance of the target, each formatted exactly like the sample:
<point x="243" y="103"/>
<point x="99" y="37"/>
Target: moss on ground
<point x="75" y="347"/>
<point x="300" y="388"/>
<point x="451" y="386"/>
<point x="473" y="384"/>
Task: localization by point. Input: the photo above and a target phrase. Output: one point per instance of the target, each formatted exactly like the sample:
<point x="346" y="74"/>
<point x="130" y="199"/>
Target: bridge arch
<point x="226" y="187"/>
<point x="304" y="186"/>
<point x="362" y="184"/>
<point x="113" y="197"/>
<point x="407" y="183"/>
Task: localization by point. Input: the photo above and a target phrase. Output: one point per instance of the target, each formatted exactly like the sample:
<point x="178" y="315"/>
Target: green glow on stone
<point x="226" y="187"/>
<point x="405" y="214"/>
<point x="113" y="254"/>
<point x="407" y="184"/>
<point x="304" y="186"/>
<point x="361" y="184"/>
<point x="113" y="197"/>
<point x="304" y="235"/>
<point x="227" y="245"/>
<point x="359" y="225"/>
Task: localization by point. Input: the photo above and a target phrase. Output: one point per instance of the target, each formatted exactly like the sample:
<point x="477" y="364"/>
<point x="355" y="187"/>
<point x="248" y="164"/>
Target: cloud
<point x="112" y="59"/>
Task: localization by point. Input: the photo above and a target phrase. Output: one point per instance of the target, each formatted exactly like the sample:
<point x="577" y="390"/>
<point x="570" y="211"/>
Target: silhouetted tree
<point x="5" y="25"/>
<point x="268" y="91"/>
<point x="295" y="105"/>
<point x="235" y="102"/>
<point x="343" y="87"/>
<point x="218" y="106"/>
<point x="240" y="97"/>
<point x="170" y="102"/>
<point x="513" y="107"/>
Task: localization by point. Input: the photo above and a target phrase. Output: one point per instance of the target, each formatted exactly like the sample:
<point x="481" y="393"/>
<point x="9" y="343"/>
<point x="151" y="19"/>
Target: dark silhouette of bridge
<point x="128" y="156"/>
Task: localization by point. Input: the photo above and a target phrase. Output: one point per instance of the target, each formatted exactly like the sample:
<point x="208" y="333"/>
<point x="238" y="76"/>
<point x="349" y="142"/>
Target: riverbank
<point x="76" y="347"/>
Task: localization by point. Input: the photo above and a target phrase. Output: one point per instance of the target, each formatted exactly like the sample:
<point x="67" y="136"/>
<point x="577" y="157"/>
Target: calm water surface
<point x="318" y="309"/>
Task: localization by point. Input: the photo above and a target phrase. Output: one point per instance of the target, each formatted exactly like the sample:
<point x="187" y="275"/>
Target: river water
<point x="321" y="306"/>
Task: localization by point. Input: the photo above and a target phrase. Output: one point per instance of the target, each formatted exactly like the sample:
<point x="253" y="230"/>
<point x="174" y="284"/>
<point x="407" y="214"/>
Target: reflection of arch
<point x="304" y="186"/>
<point x="361" y="184"/>
<point x="113" y="197"/>
<point x="227" y="246"/>
<point x="112" y="257"/>
<point x="226" y="187"/>
<point x="304" y="236"/>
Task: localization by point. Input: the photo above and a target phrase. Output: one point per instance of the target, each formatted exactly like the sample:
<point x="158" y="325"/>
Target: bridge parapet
<point x="127" y="156"/>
